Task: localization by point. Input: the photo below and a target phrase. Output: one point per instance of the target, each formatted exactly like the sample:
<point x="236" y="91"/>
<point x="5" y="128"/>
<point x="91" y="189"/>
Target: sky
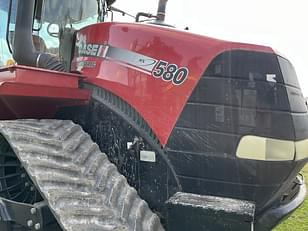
<point x="280" y="24"/>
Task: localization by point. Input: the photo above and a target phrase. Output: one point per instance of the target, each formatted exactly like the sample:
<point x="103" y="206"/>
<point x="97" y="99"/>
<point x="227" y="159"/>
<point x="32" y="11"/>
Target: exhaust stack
<point x="24" y="51"/>
<point x="161" y="11"/>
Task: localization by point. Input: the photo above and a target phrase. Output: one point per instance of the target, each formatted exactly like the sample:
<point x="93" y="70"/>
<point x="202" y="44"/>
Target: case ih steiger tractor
<point x="143" y="127"/>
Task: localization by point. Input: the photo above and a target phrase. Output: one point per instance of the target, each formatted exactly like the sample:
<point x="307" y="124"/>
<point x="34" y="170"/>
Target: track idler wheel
<point x="18" y="195"/>
<point x="15" y="183"/>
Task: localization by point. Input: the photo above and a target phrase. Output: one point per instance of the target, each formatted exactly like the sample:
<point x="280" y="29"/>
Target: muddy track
<point x="84" y="190"/>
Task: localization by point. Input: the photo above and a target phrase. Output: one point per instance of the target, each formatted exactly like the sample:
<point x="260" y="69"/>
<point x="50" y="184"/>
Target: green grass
<point x="298" y="221"/>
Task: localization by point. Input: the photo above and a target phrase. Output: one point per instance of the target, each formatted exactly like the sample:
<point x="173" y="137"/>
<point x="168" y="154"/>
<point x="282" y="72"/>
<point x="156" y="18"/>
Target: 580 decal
<point x="170" y="72"/>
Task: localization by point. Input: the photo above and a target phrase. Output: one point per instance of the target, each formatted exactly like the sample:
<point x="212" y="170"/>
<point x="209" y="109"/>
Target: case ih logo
<point x="159" y="69"/>
<point x="89" y="49"/>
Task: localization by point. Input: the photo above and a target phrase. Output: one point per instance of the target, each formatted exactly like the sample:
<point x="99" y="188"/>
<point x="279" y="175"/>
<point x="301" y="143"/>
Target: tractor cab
<point x="52" y="29"/>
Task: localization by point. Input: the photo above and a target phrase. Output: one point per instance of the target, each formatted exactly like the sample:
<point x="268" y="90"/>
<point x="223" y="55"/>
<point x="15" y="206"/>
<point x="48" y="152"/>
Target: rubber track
<point x="83" y="189"/>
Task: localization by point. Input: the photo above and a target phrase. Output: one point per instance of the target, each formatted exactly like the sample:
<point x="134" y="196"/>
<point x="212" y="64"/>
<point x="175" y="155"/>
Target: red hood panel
<point x="146" y="65"/>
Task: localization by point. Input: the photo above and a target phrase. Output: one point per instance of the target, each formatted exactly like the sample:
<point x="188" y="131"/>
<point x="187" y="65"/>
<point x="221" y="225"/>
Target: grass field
<point x="298" y="221"/>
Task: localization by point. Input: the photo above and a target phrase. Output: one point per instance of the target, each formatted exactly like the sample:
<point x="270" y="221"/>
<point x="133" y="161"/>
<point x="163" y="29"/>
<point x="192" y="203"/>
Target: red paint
<point x="37" y="76"/>
<point x="27" y="92"/>
<point x="160" y="103"/>
<point x="32" y="92"/>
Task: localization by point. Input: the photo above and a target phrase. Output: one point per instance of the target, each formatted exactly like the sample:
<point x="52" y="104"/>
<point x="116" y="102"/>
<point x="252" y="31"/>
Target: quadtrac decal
<point x="159" y="69"/>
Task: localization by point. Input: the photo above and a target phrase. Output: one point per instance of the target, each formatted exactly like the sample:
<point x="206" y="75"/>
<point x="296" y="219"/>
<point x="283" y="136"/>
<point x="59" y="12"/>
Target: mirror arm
<point x="147" y="15"/>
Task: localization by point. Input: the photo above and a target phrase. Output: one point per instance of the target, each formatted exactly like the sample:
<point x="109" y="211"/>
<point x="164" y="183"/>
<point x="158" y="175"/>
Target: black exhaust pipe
<point x="24" y="51"/>
<point x="161" y="11"/>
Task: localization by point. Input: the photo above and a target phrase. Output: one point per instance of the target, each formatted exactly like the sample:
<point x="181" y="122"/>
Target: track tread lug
<point x="83" y="188"/>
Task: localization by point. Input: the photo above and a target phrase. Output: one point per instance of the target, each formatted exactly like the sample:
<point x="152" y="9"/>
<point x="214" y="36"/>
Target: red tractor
<point x="143" y="127"/>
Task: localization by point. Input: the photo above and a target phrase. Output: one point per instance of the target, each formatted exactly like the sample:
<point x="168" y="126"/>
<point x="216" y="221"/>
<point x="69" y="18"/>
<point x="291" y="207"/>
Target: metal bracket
<point x="34" y="217"/>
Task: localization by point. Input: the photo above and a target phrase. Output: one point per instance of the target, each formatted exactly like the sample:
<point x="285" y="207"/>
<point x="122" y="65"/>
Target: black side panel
<point x="237" y="120"/>
<point x="241" y="93"/>
<point x="247" y="65"/>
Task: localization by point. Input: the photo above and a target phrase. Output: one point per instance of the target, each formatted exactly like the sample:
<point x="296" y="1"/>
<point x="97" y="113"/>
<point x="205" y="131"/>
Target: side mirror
<point x="53" y="30"/>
